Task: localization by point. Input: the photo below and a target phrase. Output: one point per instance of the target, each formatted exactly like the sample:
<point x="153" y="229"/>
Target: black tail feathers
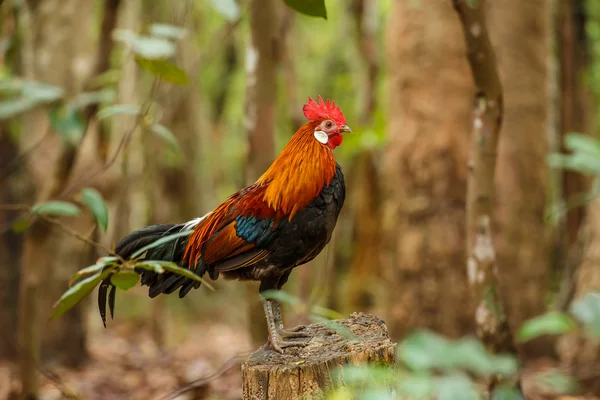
<point x="167" y="282"/>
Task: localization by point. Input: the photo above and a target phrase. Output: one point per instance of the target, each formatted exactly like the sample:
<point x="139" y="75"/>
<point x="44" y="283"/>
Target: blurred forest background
<point x="91" y="109"/>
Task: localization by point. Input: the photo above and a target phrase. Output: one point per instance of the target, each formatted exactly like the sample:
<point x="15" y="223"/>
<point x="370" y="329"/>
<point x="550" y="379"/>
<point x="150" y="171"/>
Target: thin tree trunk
<point x="524" y="237"/>
<point x="364" y="275"/>
<point x="425" y="172"/>
<point x="262" y="58"/>
<point x="15" y="190"/>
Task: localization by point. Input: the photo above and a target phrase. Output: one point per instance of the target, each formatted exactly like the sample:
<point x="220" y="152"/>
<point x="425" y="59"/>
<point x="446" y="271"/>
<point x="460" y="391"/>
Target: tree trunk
<point x="426" y="168"/>
<point x="262" y="58"/>
<point x="15" y="190"/>
<point x="524" y="237"/>
<point x="309" y="372"/>
<point x="58" y="50"/>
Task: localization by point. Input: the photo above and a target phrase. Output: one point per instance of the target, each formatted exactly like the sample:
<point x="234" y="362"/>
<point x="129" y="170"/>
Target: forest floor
<point x="125" y="363"/>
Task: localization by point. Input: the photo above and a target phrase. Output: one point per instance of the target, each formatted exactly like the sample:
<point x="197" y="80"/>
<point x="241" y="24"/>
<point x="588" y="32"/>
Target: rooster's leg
<point x="292" y="333"/>
<point x="276" y="340"/>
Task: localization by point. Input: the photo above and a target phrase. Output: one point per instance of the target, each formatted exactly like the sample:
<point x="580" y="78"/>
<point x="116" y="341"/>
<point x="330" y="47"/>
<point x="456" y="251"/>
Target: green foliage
<point x="167" y="31"/>
<point x="122" y="274"/>
<point x="555" y="381"/>
<point x="164" y="133"/>
<point x="312" y="8"/>
<point x="82" y="100"/>
<point x="21" y="225"/>
<point x="23" y="95"/>
<point x="163" y="69"/>
<point x="507" y="393"/>
<point x="160" y="242"/>
<point x="118" y="109"/>
<point x="125" y="280"/>
<point x="425" y="350"/>
<point x="56" y="208"/>
<point x="227" y="8"/>
<point x="150" y="47"/>
<point x="587" y="311"/>
<point x="77" y="292"/>
<point x="550" y="323"/>
<point x="68" y="123"/>
<point x="172" y="267"/>
<point x="584" y="156"/>
<point x="95" y="202"/>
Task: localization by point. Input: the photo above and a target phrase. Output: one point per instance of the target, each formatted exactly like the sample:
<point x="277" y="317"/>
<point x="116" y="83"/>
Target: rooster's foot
<point x="296" y="332"/>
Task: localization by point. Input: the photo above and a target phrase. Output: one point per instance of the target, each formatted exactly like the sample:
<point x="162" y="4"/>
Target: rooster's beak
<point x="346" y="128"/>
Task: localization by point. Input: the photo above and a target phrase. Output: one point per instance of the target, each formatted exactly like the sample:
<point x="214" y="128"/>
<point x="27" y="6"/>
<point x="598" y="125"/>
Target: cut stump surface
<point x="306" y="372"/>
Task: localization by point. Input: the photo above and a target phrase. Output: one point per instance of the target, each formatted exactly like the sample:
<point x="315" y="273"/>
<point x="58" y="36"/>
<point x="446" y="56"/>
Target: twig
<point x="207" y="378"/>
<point x="78" y="235"/>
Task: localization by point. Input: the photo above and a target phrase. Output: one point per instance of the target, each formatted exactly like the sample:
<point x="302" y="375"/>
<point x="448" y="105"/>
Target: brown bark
<point x="364" y="275"/>
<point x="574" y="103"/>
<point x="425" y="173"/>
<point x="14" y="190"/>
<point x="308" y="372"/>
<point x="57" y="49"/>
<point x="487" y="121"/>
<point x="262" y="58"/>
<point x="524" y="237"/>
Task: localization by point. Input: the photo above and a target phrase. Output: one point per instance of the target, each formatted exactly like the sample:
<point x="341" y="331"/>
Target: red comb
<point x="313" y="111"/>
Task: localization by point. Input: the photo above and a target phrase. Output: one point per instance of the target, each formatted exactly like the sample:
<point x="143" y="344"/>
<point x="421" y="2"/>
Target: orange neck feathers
<point x="297" y="176"/>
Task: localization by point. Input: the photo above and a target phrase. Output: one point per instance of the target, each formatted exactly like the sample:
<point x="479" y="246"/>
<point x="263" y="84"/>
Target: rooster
<point x="263" y="231"/>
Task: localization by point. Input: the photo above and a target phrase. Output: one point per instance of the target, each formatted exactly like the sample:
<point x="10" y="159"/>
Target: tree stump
<point x="306" y="372"/>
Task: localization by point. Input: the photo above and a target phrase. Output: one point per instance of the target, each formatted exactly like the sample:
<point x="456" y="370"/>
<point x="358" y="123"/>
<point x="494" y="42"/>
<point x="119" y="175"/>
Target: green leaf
<point x="417" y="386"/>
<point x="472" y="3"/>
<point x="325" y="312"/>
<point x="423" y="350"/>
<point x="101" y="263"/>
<point x="470" y="354"/>
<point x="555" y="381"/>
<point x="125" y="280"/>
<point x="166" y="134"/>
<point x="85" y="99"/>
<point x="312" y="8"/>
<point x="551" y="323"/>
<point x="167" y="31"/>
<point x="160" y="242"/>
<point x="41" y="92"/>
<point x="455" y="387"/>
<point x="163" y="69"/>
<point x="578" y="142"/>
<point x="14" y="107"/>
<point x="68" y="123"/>
<point x="74" y="295"/>
<point x="94" y="201"/>
<point x="151" y="266"/>
<point x="172" y="267"/>
<point x="144" y="46"/>
<point x="59" y="208"/>
<point x="335" y="326"/>
<point x="587" y="311"/>
<point x="227" y="8"/>
<point x="280" y="296"/>
<point x="21" y="225"/>
<point x="118" y="109"/>
<point x="507" y="393"/>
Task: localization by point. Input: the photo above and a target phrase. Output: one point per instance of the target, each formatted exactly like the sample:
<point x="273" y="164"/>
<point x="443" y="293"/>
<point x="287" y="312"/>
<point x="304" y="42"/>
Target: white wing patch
<point x="321" y="137"/>
<point x="192" y="224"/>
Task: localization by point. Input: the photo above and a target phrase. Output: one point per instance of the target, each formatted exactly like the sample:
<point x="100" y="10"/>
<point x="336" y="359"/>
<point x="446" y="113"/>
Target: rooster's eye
<point x="328" y="124"/>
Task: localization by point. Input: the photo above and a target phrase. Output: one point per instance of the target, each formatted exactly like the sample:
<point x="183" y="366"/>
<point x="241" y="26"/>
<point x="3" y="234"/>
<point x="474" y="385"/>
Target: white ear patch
<point x="321" y="137"/>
